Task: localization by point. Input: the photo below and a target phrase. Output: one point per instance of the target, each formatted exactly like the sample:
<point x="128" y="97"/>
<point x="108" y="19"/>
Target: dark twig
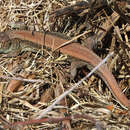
<point x="56" y="120"/>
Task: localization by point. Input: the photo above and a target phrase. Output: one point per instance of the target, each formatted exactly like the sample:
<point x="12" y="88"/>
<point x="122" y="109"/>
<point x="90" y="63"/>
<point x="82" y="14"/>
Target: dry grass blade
<point x="73" y="39"/>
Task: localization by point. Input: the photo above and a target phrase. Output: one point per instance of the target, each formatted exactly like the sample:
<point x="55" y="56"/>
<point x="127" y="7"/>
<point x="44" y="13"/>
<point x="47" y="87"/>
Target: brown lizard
<point x="75" y="50"/>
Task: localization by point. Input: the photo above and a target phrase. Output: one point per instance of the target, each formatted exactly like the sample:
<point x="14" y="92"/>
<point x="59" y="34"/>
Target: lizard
<point x="74" y="49"/>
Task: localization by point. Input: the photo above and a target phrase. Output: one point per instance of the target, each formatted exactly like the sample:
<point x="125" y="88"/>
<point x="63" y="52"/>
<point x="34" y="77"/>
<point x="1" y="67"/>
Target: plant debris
<point x="32" y="79"/>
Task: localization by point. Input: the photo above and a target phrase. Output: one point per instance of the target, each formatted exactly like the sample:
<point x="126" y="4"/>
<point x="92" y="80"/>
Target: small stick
<point x="23" y="79"/>
<point x="79" y="6"/>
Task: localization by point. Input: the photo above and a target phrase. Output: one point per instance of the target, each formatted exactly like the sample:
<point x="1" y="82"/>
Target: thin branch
<point x="56" y="120"/>
<point x="23" y="79"/>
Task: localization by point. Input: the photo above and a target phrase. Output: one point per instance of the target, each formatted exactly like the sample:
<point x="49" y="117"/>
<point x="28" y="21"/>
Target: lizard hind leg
<point x="75" y="64"/>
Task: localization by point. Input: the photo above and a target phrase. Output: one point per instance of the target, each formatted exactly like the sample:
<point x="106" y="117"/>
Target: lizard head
<point x="4" y="37"/>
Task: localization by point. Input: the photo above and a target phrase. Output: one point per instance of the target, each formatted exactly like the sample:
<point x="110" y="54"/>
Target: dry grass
<point x="21" y="101"/>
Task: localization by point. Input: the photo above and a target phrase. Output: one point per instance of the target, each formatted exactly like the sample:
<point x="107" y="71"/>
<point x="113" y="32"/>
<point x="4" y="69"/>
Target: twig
<point x="45" y="111"/>
<point x="79" y="6"/>
<point x="23" y="79"/>
<point x="56" y="120"/>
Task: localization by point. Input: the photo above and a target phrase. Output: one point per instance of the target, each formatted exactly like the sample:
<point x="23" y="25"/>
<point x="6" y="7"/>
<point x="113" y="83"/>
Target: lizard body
<point x="75" y="50"/>
<point x="15" y="47"/>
